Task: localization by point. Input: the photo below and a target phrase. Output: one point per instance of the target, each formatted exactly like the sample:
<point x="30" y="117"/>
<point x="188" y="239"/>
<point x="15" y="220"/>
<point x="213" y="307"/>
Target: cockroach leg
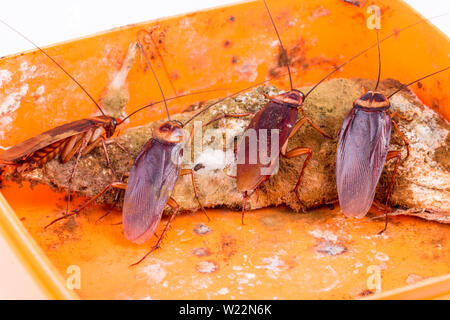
<point x="270" y="98"/>
<point x="315" y="126"/>
<point x="108" y="211"/>
<point x="94" y="144"/>
<point x="224" y="170"/>
<point x="190" y="172"/>
<point x="80" y="146"/>
<point x="338" y="134"/>
<point x="174" y="205"/>
<point x="91" y="146"/>
<point x="118" y="145"/>
<point x="398" y="115"/>
<point x="119" y="185"/>
<point x="296" y="153"/>
<point x="405" y="141"/>
<point x="116" y="200"/>
<point x="297" y="127"/>
<point x="331" y="204"/>
<point x="68" y="150"/>
<point x="107" y="157"/>
<point x="244" y="204"/>
<point x="391" y="155"/>
<point x="380" y="206"/>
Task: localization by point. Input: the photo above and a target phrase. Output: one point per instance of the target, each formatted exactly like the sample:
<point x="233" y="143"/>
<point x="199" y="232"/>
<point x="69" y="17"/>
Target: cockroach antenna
<point x="370" y="47"/>
<point x="171" y="98"/>
<point x="283" y="51"/>
<point x="407" y="85"/>
<point x="325" y="77"/>
<point x="90" y="97"/>
<point x="224" y="98"/>
<point x="379" y="61"/>
<point x="154" y="74"/>
<point x="48" y="56"/>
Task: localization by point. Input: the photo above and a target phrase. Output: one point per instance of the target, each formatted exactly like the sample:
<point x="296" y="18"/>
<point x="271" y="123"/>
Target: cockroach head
<point x="372" y="100"/>
<point x="108" y="123"/>
<point x="293" y="97"/>
<point x="170" y="132"/>
<point x="110" y="127"/>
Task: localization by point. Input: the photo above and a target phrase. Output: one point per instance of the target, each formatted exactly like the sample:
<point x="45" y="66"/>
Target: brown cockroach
<point x="70" y="139"/>
<point x="151" y="180"/>
<point x="363" y="150"/>
<point x="75" y="138"/>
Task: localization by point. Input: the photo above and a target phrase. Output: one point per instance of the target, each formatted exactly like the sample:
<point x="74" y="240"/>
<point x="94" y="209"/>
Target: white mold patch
<point x="223" y="291"/>
<point x="206" y="267"/>
<point x="40" y="90"/>
<point x="273" y="265"/>
<point x="248" y="71"/>
<point x="12" y="101"/>
<point x="27" y="71"/>
<point x="154" y="273"/>
<point x="381" y="256"/>
<point x="5" y="77"/>
<point x="9" y="105"/>
<point x="326" y="235"/>
<point x="212" y="159"/>
<point x="121" y="76"/>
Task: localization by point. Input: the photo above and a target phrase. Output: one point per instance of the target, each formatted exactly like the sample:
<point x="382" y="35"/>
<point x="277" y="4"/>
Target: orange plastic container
<point x="277" y="254"/>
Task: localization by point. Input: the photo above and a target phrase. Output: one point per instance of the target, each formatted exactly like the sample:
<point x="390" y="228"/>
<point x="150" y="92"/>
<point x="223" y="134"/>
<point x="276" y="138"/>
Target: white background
<point x="50" y="21"/>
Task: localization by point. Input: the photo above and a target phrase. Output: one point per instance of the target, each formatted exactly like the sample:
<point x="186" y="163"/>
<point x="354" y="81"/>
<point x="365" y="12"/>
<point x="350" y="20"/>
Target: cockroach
<point x="363" y="150"/>
<point x="70" y="139"/>
<point x="151" y="181"/>
<point x="280" y="113"/>
<point x="75" y="138"/>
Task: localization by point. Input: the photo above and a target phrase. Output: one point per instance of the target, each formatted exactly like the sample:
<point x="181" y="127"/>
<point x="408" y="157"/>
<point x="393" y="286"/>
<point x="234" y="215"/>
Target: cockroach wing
<point x="47" y="138"/>
<point x="150" y="184"/>
<point x="251" y="168"/>
<point x="361" y="154"/>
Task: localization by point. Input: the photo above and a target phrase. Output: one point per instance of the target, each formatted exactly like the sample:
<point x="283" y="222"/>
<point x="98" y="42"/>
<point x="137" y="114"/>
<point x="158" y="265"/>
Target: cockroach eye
<point x="366" y="97"/>
<point x="165" y="127"/>
<point x="114" y="123"/>
<point x="294" y="96"/>
<point x="377" y="97"/>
